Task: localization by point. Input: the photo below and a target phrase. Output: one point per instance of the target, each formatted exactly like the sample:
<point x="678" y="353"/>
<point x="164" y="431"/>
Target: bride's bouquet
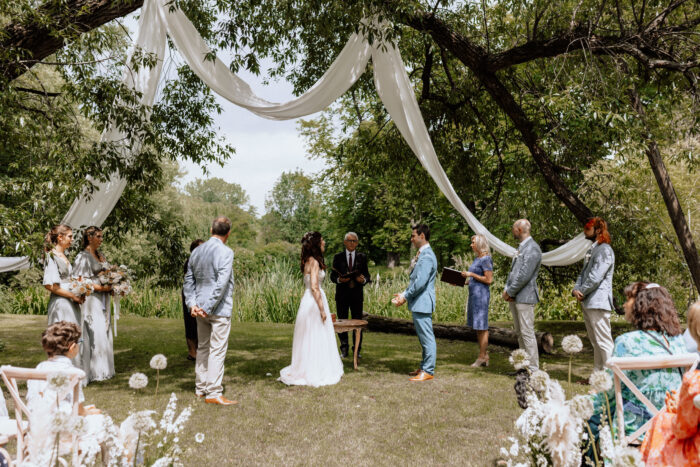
<point x="119" y="277"/>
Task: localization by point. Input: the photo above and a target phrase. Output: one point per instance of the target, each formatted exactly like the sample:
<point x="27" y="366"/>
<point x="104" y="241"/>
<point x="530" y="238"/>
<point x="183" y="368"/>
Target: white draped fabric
<point x="14" y="263"/>
<point x="390" y="77"/>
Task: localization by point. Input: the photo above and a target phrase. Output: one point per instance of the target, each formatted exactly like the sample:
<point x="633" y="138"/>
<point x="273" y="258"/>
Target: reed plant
<point x="273" y="294"/>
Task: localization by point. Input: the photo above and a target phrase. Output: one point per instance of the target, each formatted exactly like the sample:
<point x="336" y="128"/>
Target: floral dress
<point x="674" y="436"/>
<point x="479" y="295"/>
<point x="652" y="383"/>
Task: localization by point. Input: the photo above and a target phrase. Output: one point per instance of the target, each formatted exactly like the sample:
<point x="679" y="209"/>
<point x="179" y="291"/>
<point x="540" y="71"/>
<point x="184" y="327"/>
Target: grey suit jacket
<point x="595" y="279"/>
<point x="209" y="278"/>
<point x="522" y="279"/>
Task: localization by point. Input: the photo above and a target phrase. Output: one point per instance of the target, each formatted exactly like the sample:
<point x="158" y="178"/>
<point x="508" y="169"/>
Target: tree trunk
<point x="392" y="259"/>
<point x="497" y="336"/>
<point x="673" y="206"/>
<point x="477" y="60"/>
<point x="33" y="42"/>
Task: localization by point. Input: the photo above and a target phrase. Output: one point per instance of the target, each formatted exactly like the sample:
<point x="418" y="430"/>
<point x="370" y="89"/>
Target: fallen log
<point x="497" y="336"/>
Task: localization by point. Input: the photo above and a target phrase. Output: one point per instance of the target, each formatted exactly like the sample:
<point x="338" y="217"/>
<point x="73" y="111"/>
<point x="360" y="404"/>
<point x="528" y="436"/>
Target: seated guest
<point x="61" y="343"/>
<point x="674" y="436"/>
<point x="650" y="309"/>
<point x="690" y="343"/>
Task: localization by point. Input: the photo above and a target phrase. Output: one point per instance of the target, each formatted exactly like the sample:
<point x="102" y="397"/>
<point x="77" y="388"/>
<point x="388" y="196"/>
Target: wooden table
<point x="347" y="325"/>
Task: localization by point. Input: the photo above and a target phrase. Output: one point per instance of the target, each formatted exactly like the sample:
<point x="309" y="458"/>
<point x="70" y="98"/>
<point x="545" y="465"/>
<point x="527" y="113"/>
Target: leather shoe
<point x="422" y="376"/>
<point x="344" y="353"/>
<point x="221" y="400"/>
<point x="414" y="373"/>
<point x="199" y="396"/>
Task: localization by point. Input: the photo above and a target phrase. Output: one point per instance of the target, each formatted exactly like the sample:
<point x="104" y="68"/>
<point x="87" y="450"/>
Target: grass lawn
<point x="374" y="416"/>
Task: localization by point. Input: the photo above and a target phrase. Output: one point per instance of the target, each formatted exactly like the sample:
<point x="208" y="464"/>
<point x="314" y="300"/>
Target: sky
<point x="264" y="148"/>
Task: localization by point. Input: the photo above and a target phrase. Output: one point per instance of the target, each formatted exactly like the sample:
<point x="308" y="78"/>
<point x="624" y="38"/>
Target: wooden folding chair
<point x="10" y="376"/>
<point x="655" y="362"/>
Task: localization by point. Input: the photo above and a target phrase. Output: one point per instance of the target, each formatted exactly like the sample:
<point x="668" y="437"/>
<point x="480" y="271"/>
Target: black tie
<point x="349" y="262"/>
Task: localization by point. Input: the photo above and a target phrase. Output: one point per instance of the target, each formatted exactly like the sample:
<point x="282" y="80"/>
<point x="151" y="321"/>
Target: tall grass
<point x="273" y="295"/>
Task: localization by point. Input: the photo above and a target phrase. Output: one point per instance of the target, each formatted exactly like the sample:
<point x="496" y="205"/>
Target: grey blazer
<point x="595" y="279"/>
<point x="209" y="278"/>
<point x="522" y="279"/>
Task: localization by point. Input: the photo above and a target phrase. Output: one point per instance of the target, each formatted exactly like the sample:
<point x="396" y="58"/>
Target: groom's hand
<point x="398" y="299"/>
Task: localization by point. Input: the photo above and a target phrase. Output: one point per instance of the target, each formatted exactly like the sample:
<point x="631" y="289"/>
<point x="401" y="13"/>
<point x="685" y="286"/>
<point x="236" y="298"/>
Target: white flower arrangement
<point x="138" y="381"/>
<point x="519" y="359"/>
<point x="572" y="344"/>
<point x="539" y="380"/>
<point x="59" y="382"/>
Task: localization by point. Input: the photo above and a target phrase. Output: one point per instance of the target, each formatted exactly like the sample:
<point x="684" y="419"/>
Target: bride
<point x="315" y="358"/>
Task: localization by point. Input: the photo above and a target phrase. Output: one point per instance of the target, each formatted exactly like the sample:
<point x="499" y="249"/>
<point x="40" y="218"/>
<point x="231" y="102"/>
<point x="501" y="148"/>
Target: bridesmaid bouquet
<point x="81" y="287"/>
<point x="119" y="277"/>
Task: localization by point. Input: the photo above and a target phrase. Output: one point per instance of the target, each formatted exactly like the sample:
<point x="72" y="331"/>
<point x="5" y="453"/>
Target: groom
<point x="420" y="295"/>
<point x="209" y="295"/>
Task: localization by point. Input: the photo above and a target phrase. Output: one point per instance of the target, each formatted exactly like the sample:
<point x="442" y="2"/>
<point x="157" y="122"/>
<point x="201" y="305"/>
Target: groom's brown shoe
<point x="414" y="373"/>
<point x="221" y="400"/>
<point x="422" y="376"/>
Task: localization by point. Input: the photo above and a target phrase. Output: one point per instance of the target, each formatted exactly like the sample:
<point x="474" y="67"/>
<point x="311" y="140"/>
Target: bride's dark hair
<point x="311" y="248"/>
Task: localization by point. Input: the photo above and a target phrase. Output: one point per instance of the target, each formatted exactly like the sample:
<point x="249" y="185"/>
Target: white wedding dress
<point x="315" y="357"/>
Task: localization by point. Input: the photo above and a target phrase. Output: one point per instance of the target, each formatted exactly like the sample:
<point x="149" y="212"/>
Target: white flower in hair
<point x="600" y="381"/>
<point x="138" y="381"/>
<point x="519" y="359"/>
<point x="572" y="344"/>
<point x="159" y="362"/>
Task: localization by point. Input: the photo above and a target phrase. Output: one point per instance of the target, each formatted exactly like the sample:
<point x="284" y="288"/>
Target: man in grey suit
<point x="209" y="296"/>
<point x="521" y="290"/>
<point x="594" y="290"/>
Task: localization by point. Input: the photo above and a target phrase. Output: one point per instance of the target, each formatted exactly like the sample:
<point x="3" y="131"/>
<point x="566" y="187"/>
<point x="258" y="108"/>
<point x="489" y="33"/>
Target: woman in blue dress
<point x="480" y="275"/>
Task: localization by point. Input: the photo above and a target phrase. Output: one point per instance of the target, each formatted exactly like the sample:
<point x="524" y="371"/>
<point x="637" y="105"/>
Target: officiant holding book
<point x="350" y="274"/>
<point x="480" y="275"/>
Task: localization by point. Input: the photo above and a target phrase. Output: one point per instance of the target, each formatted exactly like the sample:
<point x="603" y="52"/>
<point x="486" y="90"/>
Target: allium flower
<point x="581" y="407"/>
<point x="607" y="448"/>
<point x="572" y="344"/>
<point x="519" y="359"/>
<point x="138" y="381"/>
<point x="600" y="381"/>
<point x="162" y="462"/>
<point x="59" y="382"/>
<point x="60" y="421"/>
<point x="199" y="437"/>
<point x="626" y="456"/>
<point x="539" y="380"/>
<point x="143" y="421"/>
<point x="159" y="362"/>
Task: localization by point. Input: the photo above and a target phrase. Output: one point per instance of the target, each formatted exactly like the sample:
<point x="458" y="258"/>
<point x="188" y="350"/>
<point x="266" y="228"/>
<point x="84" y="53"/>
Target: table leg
<point x="358" y="333"/>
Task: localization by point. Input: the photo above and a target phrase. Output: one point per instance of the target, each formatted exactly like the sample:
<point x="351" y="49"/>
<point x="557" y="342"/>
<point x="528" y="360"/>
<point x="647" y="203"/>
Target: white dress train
<point x="315" y="358"/>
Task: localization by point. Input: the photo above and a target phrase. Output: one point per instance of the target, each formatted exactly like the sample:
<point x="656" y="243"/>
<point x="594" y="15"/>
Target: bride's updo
<point x="311" y="248"/>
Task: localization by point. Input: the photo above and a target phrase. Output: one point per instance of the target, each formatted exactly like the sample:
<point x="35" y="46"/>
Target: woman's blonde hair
<point x="482" y="245"/>
<point x="694" y="321"/>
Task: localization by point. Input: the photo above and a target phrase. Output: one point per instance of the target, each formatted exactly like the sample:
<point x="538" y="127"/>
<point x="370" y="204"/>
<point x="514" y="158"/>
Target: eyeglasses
<point x="351" y="241"/>
<point x="81" y="340"/>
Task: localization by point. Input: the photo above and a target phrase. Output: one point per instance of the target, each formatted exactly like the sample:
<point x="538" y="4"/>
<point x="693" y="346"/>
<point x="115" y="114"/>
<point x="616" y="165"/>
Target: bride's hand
<point x="323" y="316"/>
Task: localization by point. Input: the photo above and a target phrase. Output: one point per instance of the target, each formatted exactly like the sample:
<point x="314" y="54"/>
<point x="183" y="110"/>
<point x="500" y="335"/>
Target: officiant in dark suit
<point x="349" y="286"/>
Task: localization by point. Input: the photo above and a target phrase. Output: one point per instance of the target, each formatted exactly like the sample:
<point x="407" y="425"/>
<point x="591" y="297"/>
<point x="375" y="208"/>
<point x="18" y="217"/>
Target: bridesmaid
<point x="63" y="304"/>
<point x="98" y="352"/>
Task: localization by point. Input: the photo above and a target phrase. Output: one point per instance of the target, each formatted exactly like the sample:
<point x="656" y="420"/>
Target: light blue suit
<point x="595" y="282"/>
<point x="209" y="285"/>
<point x="420" y="296"/>
<point x="209" y="278"/>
